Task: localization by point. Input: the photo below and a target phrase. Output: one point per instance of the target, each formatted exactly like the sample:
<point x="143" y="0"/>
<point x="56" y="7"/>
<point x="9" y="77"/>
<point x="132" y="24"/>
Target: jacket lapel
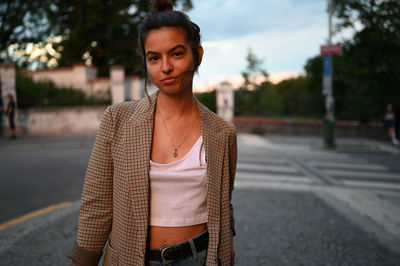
<point x="138" y="139"/>
<point x="214" y="143"/>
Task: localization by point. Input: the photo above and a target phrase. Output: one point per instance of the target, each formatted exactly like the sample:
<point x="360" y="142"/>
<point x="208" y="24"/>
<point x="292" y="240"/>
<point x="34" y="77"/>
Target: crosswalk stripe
<point x="372" y="184"/>
<point x="268" y="168"/>
<point x="318" y="155"/>
<point x="358" y="174"/>
<point x="254" y="141"/>
<point x="272" y="177"/>
<point x="336" y="160"/>
<point x="258" y="159"/>
<point x="262" y="161"/>
<point x="300" y="154"/>
<point x="349" y="166"/>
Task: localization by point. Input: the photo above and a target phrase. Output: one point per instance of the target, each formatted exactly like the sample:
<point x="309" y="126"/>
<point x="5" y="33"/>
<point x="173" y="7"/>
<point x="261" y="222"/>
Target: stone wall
<point x="86" y="120"/>
<point x="77" y="76"/>
<point x="83" y="77"/>
<point x="60" y="121"/>
<point x="274" y="126"/>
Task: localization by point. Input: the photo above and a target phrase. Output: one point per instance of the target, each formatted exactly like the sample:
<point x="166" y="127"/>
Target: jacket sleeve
<point x="232" y="173"/>
<point x="96" y="208"/>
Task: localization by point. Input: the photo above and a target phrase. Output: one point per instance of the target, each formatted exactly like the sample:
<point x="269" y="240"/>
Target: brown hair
<point x="163" y="15"/>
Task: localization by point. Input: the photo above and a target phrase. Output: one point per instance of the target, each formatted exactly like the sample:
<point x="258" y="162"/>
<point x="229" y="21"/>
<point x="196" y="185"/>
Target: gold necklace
<point x="175" y="154"/>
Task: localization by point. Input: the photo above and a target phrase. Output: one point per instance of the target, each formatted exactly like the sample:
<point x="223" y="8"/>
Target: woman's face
<point x="169" y="60"/>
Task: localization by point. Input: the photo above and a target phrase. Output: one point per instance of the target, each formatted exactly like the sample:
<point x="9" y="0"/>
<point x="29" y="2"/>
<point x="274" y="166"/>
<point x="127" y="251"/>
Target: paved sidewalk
<point x="274" y="227"/>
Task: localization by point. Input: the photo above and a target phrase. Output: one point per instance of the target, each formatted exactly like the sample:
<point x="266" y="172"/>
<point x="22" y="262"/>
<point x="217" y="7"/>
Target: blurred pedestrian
<point x="1" y="115"/>
<point x="159" y="181"/>
<point x="396" y="111"/>
<point x="10" y="113"/>
<point x="390" y="124"/>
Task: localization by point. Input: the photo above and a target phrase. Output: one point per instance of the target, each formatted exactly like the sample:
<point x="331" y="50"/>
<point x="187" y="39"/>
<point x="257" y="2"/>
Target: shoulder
<point x="124" y="110"/>
<point x="121" y="109"/>
<point x="218" y="124"/>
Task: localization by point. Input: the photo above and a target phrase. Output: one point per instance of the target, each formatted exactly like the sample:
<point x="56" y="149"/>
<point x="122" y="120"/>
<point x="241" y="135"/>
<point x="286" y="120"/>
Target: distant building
<point x="7" y="83"/>
<point x="81" y="76"/>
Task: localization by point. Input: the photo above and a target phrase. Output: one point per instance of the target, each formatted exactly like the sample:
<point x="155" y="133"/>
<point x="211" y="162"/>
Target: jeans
<point x="189" y="261"/>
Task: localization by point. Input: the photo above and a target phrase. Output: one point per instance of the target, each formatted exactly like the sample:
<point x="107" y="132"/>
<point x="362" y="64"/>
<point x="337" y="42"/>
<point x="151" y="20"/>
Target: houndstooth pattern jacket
<point x="115" y="197"/>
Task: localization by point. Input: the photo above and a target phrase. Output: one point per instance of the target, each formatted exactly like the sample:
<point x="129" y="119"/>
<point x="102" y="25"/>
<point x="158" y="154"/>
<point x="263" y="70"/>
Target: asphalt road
<point x="38" y="172"/>
<point x="295" y="203"/>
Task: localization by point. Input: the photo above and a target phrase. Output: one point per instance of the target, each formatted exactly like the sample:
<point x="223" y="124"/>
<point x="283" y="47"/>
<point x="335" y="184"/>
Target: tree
<point x="248" y="97"/>
<point x="21" y="22"/>
<point x="103" y="33"/>
<point x="253" y="70"/>
<point x="366" y="76"/>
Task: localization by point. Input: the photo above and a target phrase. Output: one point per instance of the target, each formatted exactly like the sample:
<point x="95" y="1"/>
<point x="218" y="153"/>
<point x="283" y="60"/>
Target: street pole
<point x="329" y="123"/>
<point x="330" y="11"/>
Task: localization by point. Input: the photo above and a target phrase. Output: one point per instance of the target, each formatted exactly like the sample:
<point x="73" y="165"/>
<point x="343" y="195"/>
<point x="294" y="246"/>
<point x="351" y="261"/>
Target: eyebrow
<point x="171" y="50"/>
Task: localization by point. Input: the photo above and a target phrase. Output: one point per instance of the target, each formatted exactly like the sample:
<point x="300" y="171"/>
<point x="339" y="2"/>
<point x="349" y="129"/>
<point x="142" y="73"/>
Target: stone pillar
<point x="225" y="101"/>
<point x="137" y="88"/>
<point x="7" y="79"/>
<point x="117" y="74"/>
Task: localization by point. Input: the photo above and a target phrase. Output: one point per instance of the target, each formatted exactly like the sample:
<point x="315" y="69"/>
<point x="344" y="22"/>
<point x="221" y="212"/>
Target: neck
<point x="176" y="105"/>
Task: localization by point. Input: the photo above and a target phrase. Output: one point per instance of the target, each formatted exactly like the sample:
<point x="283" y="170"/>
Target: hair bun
<point x="161" y="5"/>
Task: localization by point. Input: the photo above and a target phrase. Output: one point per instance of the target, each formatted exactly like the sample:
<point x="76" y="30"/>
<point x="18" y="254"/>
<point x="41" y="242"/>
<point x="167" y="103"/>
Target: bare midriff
<point x="161" y="236"/>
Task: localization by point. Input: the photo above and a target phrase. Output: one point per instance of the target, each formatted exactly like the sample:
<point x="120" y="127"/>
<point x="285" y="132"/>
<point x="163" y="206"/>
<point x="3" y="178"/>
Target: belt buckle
<point x="162" y="254"/>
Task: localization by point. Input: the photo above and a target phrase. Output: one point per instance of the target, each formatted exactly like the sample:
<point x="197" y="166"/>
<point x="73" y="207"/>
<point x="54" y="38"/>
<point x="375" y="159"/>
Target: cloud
<point x="284" y="33"/>
<point x="222" y="19"/>
<point x="281" y="51"/>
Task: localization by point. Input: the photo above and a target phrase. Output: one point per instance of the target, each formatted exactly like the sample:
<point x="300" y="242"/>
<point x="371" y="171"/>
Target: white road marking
<point x="349" y="165"/>
<point x="368" y="203"/>
<point x="270" y="168"/>
<point x="272" y="177"/>
<point x="371" y="184"/>
<point x="263" y="160"/>
<point x="358" y="174"/>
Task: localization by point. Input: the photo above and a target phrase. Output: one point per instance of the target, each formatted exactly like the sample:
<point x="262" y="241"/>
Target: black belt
<point x="183" y="250"/>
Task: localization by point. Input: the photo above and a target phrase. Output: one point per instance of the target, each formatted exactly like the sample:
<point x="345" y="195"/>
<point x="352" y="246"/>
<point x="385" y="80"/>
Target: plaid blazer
<point x="115" y="197"/>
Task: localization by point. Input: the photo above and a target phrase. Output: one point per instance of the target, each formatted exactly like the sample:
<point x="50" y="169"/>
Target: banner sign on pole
<point x="331" y="50"/>
<point x="327" y="75"/>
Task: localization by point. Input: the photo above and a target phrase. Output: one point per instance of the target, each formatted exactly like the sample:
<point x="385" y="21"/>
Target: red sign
<point x="331" y="49"/>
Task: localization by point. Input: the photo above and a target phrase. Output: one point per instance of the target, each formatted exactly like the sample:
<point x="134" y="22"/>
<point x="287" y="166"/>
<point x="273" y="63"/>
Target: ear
<point x="201" y="52"/>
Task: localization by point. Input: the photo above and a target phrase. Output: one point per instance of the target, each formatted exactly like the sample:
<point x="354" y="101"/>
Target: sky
<point x="284" y="33"/>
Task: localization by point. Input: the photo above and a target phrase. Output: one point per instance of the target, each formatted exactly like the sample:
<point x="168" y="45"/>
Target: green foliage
<point x="103" y="33"/>
<point x="290" y="97"/>
<point x="294" y="96"/>
<point x="209" y="99"/>
<point x="21" y="21"/>
<point x="253" y="70"/>
<point x="366" y="77"/>
<point x="257" y="131"/>
<point x="46" y="94"/>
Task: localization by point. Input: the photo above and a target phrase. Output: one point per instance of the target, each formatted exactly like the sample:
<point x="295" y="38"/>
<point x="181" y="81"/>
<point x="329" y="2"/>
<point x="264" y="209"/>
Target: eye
<point x="152" y="58"/>
<point x="177" y="54"/>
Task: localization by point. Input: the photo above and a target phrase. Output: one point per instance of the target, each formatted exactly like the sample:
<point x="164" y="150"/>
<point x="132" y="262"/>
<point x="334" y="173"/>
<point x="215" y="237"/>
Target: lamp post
<point x="328" y="51"/>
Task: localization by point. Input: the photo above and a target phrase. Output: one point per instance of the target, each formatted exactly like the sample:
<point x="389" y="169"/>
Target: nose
<point x="167" y="67"/>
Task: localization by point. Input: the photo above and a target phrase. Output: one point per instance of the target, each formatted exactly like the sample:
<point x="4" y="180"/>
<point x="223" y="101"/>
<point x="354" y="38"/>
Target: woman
<point x="10" y="113"/>
<point x="160" y="178"/>
<point x="390" y="124"/>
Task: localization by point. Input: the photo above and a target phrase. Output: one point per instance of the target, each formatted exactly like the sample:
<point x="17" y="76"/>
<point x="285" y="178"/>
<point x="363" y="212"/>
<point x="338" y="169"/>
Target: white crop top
<point x="178" y="190"/>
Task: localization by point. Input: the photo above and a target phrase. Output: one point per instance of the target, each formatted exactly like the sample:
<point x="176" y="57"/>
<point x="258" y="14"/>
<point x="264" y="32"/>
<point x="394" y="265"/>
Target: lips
<point x="169" y="81"/>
